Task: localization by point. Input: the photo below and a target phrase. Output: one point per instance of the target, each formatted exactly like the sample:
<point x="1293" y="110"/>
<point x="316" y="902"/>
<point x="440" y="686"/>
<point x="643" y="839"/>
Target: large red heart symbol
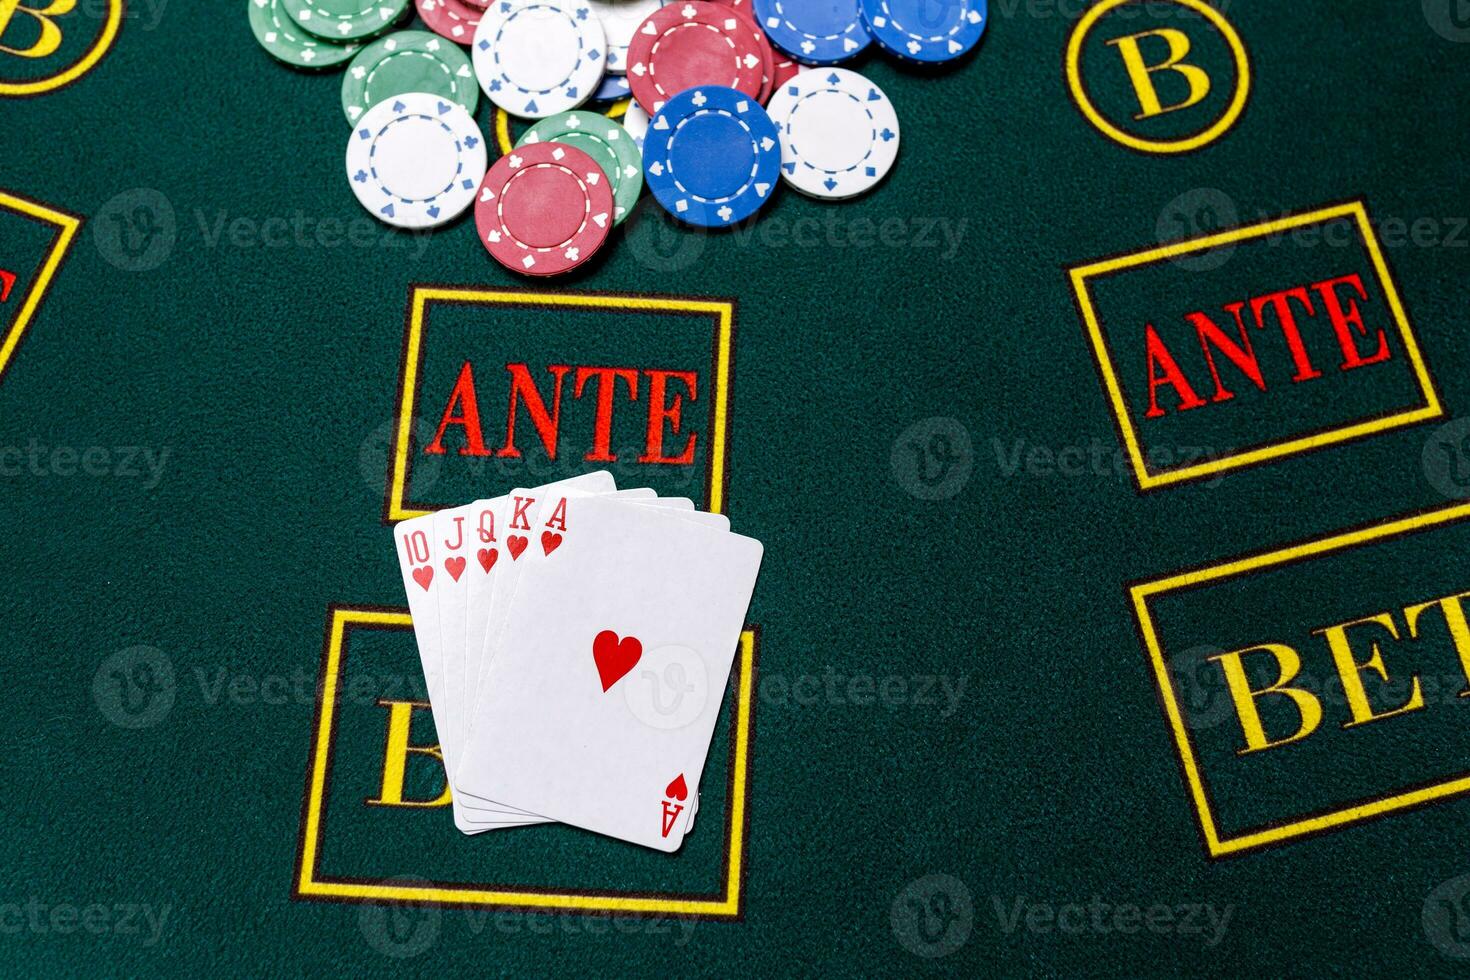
<point x="487" y="558"/>
<point x="615" y="657"/>
<point x="550" y="542"/>
<point x="516" y="544"/>
<point x="423" y="576"/>
<point x="455" y="567"/>
<point x="677" y="790"/>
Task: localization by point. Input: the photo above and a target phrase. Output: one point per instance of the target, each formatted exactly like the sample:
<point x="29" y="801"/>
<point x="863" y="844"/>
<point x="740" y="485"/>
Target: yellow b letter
<point x="395" y="757"/>
<point x="1289" y="663"/>
<point x="50" y="38"/>
<point x="1139" y="71"/>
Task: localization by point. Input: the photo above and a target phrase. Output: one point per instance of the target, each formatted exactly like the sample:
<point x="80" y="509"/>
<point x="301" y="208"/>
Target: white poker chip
<point x="839" y="133"/>
<point x="636" y="121"/>
<point x="416" y="160"/>
<point x="536" y="58"/>
<point x="620" y="19"/>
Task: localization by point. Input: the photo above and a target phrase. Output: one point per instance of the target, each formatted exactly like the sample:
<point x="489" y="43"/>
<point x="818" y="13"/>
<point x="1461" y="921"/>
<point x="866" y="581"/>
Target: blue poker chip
<point x="817" y="32"/>
<point x="613" y="88"/>
<point x="712" y="156"/>
<point x="920" y="30"/>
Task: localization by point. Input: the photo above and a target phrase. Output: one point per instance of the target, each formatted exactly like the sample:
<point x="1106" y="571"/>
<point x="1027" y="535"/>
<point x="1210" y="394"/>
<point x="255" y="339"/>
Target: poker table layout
<point x="1111" y="461"/>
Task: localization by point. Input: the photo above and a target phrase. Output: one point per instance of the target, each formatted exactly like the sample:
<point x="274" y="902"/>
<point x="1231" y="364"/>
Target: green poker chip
<point x="408" y="61"/>
<point x="288" y="43"/>
<point x="605" y="141"/>
<point x="345" y="20"/>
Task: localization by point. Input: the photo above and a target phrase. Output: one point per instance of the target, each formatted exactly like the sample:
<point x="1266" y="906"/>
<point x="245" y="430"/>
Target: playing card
<point x="451" y="542"/>
<point x="487" y="541"/>
<point x="518" y="551"/>
<point x="541" y="519"/>
<point x="549" y="517"/>
<point x="432" y="553"/>
<point x="421" y="579"/>
<point x="554" y="733"/>
<point x="490" y="517"/>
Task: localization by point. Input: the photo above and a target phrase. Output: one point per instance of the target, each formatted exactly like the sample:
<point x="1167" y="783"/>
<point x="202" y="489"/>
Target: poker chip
<point x="606" y="142"/>
<point x="839" y="133"/>
<point x="635" y="121"/>
<point x="345" y="20"/>
<point x="693" y="44"/>
<point x="767" y="53"/>
<point x="536" y="58"/>
<point x="712" y="156"/>
<point x="783" y="70"/>
<point x="415" y="160"/>
<point x="613" y="88"/>
<point x="783" y="66"/>
<point x="454" y="19"/>
<point x="288" y="43"/>
<point x="408" y="61"/>
<point x="685" y="87"/>
<point x="920" y="31"/>
<point x="818" y="32"/>
<point x="544" y="209"/>
<point x="620" y="18"/>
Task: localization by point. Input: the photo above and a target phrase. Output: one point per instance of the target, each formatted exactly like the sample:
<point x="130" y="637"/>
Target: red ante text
<point x="1330" y="303"/>
<point x="663" y="395"/>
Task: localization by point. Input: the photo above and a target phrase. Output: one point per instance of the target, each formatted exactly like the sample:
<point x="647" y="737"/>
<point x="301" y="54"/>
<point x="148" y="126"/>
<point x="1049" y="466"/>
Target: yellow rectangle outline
<point x="307" y="886"/>
<point x="1150" y="481"/>
<point x="422" y="295"/>
<point x="37" y="290"/>
<point x="1217" y="846"/>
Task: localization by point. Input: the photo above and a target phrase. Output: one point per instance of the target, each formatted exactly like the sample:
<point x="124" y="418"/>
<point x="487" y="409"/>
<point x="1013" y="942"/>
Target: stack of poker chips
<point x="711" y="105"/>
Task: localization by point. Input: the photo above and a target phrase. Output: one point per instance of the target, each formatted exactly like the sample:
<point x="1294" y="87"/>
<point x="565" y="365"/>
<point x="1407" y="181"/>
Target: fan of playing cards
<point x="533" y="613"/>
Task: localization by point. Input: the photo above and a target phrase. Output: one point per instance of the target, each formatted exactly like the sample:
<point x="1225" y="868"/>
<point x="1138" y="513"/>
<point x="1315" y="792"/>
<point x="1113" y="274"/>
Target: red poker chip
<point x="693" y="44"/>
<point x="783" y="67"/>
<point x="452" y="19"/>
<point x="784" y="70"/>
<point x="544" y="209"/>
<point x="767" y="52"/>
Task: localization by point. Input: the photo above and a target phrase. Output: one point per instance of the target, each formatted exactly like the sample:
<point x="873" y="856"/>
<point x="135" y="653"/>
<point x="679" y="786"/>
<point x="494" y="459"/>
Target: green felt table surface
<point x="960" y="760"/>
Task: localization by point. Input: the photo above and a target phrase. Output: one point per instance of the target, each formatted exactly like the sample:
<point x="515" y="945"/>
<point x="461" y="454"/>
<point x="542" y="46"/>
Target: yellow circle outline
<point x="502" y="124"/>
<point x="1232" y="113"/>
<point x="80" y="68"/>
